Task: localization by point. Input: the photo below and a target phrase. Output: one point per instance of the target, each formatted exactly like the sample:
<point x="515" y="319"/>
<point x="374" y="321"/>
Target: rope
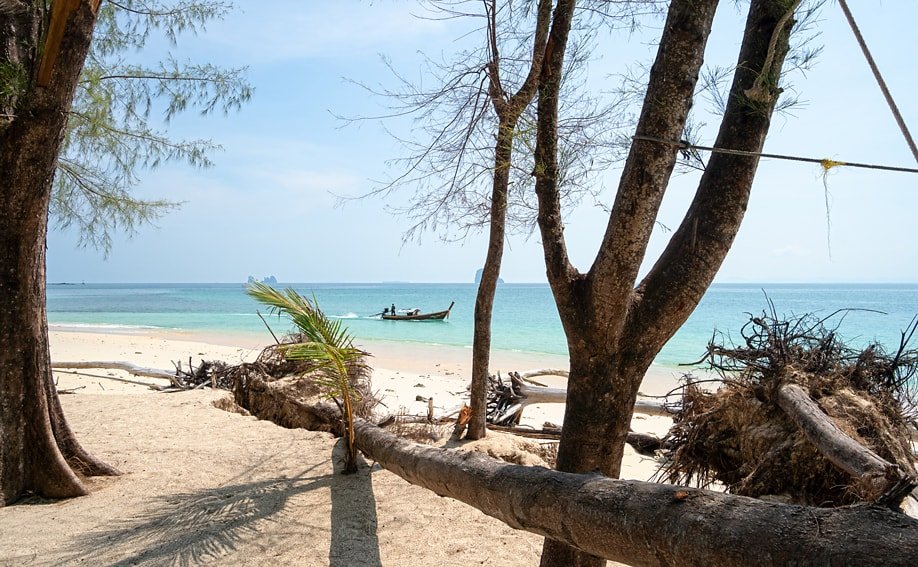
<point x="876" y="73"/>
<point x="825" y="163"/>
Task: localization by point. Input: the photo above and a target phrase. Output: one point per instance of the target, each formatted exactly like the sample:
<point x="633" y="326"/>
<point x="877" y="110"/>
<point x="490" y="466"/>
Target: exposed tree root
<point x="801" y="416"/>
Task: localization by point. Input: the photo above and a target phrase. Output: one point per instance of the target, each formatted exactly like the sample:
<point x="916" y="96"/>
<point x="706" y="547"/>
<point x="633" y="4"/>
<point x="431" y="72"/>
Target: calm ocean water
<point x="525" y="317"/>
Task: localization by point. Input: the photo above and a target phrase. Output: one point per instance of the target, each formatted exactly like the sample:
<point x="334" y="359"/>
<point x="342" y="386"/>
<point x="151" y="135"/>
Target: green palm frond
<point x="305" y="314"/>
<point x="326" y="344"/>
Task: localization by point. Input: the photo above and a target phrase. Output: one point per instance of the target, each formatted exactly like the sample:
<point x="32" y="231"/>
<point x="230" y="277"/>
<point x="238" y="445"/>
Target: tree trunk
<point x="37" y="448"/>
<point x="614" y="330"/>
<point x="643" y="523"/>
<point x="508" y="112"/>
<point x="487" y="286"/>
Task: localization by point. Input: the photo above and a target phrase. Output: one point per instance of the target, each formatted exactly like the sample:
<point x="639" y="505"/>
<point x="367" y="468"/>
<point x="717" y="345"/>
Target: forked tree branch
<point x="561" y="273"/>
<point x="698" y="247"/>
<point x="670" y="90"/>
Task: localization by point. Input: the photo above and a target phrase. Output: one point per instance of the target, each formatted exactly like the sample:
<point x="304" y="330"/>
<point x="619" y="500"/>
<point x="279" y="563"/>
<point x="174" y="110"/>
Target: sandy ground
<point x="204" y="486"/>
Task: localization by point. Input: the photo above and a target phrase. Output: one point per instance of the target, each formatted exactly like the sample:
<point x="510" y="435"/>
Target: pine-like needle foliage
<point x="111" y="135"/>
<point x="325" y="342"/>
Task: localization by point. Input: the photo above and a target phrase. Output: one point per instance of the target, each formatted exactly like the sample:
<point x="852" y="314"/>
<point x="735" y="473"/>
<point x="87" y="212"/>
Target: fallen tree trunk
<point x="643" y="443"/>
<point x="537" y="395"/>
<point x="644" y="523"/>
<point x="878" y="479"/>
<point x="506" y="402"/>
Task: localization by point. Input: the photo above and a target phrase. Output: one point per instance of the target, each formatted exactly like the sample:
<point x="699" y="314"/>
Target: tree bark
<point x="487" y="286"/>
<point x="643" y="523"/>
<point x="508" y="111"/>
<point x="615" y="329"/>
<point x="37" y="448"/>
<point x="876" y="476"/>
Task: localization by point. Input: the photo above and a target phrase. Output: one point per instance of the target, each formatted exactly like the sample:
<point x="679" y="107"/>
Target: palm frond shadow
<point x="192" y="527"/>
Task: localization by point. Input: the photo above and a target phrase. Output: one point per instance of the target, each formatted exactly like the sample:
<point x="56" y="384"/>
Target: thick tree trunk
<point x="642" y="523"/>
<point x="613" y="330"/>
<point x="37" y="448"/>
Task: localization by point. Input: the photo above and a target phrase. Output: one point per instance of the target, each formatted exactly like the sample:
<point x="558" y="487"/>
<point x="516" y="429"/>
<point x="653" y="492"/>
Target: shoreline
<point x="404" y="376"/>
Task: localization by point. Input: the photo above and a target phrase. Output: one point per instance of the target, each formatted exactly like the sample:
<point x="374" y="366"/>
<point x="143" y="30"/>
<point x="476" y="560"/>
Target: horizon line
<point x="399" y="282"/>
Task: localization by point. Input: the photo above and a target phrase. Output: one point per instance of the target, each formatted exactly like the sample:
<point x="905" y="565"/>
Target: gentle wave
<point x="345" y="316"/>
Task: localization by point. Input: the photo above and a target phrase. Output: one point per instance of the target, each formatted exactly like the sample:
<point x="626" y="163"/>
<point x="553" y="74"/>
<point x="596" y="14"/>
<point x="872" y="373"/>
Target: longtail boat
<point x="435" y="316"/>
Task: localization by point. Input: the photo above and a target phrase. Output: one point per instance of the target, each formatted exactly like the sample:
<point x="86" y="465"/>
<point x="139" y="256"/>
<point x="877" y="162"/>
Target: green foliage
<point x="13" y="82"/>
<point x="110" y="134"/>
<point x="325" y="342"/>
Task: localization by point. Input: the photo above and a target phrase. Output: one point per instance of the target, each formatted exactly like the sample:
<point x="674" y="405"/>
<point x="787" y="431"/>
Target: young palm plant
<point x="324" y="342"/>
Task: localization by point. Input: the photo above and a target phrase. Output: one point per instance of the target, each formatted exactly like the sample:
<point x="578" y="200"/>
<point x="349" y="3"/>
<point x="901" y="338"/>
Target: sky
<point x="268" y="206"/>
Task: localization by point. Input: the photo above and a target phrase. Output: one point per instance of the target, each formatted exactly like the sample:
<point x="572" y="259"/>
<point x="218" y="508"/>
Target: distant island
<point x="270" y="280"/>
<point x="478" y="277"/>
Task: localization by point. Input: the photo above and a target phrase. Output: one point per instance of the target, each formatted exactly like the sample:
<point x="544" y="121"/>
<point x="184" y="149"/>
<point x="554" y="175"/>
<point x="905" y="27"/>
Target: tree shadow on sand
<point x="193" y="527"/>
<point x="353" y="515"/>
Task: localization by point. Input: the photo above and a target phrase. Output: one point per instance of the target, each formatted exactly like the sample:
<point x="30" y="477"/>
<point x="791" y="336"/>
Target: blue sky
<point x="268" y="205"/>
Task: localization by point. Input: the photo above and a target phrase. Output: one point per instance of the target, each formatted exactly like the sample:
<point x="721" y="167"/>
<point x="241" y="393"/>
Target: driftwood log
<point x="643" y="523"/>
<point x="216" y="374"/>
<point x="507" y="400"/>
<point x="879" y="480"/>
<point x="643" y="443"/>
<point x="128" y="367"/>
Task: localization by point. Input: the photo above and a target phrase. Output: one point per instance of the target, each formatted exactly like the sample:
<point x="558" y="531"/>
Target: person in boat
<point x="392" y="309"/>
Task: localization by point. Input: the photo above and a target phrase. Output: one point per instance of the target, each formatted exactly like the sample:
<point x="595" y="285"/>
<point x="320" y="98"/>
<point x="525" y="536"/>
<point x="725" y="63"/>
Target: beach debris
<point x="800" y="416"/>
<point x="507" y="399"/>
<point x="129" y="367"/>
<point x="462" y="421"/>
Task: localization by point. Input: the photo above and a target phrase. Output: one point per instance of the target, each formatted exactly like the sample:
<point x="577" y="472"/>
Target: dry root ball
<point x="738" y="436"/>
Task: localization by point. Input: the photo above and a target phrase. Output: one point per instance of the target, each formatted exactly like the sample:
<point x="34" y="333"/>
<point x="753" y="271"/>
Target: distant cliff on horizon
<point x="478" y="277"/>
<point x="270" y="280"/>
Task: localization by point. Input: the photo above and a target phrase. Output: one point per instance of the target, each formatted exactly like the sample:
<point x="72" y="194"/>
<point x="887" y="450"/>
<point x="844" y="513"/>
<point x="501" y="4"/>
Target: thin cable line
<point x="825" y="163"/>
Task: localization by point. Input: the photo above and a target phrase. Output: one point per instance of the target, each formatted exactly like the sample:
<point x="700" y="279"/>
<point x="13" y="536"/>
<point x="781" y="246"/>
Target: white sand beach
<point x="202" y="485"/>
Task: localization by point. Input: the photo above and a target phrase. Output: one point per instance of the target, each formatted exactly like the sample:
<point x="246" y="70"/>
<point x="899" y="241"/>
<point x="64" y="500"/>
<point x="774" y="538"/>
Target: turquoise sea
<point x="525" y="317"/>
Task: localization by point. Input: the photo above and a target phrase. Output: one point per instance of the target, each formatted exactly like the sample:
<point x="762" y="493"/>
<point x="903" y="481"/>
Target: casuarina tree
<point x="52" y="103"/>
<point x="614" y="323"/>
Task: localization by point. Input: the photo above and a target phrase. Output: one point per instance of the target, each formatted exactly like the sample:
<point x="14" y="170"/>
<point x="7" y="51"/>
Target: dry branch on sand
<point x="801" y="417"/>
<point x="507" y="400"/>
